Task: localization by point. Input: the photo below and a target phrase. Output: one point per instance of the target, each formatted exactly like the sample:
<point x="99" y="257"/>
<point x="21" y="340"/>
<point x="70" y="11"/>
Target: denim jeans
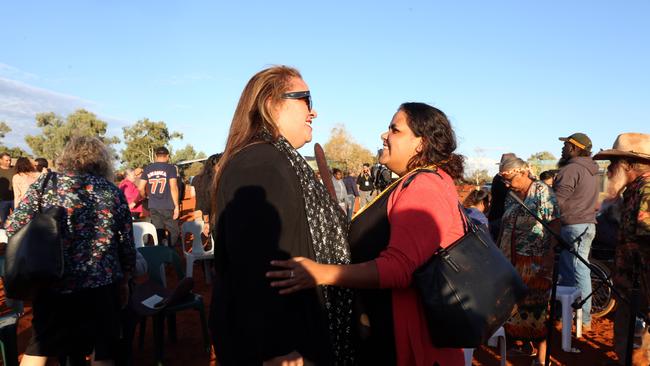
<point x="350" y="208"/>
<point x="5" y="207"/>
<point x="572" y="271"/>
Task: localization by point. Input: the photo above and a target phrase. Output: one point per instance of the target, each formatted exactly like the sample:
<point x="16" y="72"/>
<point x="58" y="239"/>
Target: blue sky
<point x="512" y="76"/>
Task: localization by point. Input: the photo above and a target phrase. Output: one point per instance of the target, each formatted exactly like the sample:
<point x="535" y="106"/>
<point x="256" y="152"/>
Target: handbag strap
<point x="468" y="225"/>
<point x="43" y="186"/>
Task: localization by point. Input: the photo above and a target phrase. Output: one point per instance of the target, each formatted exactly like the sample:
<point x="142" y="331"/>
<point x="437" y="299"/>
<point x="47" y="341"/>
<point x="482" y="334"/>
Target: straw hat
<point x="628" y="145"/>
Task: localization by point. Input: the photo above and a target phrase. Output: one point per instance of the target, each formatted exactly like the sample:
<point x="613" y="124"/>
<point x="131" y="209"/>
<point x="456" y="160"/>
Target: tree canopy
<point x="56" y="132"/>
<point x="344" y="153"/>
<point x="543" y="155"/>
<point x="478" y="176"/>
<point x="15" y="152"/>
<point x="187" y="153"/>
<point x="142" y="138"/>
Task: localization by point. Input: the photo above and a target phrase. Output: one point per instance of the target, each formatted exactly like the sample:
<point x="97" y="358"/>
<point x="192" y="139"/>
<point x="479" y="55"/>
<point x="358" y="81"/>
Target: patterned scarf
<point x="328" y="229"/>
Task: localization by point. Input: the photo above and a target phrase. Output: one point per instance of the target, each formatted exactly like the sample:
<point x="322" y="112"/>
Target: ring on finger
<point x="291" y="274"/>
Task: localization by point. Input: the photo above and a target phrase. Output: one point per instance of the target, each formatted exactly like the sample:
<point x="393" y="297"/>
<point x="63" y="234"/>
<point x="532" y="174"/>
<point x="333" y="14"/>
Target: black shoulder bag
<point x="35" y="253"/>
<point x="468" y="289"/>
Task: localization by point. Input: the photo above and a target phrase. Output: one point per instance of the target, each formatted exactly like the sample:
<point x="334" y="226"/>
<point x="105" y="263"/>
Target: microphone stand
<point x="562" y="245"/>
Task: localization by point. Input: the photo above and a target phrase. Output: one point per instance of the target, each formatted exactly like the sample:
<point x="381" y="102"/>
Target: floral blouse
<point x="98" y="245"/>
<point x="635" y="217"/>
<point x="518" y="226"/>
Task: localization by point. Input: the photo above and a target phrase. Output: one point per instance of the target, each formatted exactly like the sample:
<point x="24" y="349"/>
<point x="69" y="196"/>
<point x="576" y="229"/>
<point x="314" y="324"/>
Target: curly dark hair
<point x="438" y="139"/>
<point x="24" y="165"/>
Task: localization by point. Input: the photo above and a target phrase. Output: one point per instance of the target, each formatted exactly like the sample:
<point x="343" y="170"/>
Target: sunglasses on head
<point x="305" y="95"/>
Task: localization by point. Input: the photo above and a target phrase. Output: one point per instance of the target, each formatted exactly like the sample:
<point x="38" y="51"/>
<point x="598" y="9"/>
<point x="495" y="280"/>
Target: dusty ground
<point x="596" y="346"/>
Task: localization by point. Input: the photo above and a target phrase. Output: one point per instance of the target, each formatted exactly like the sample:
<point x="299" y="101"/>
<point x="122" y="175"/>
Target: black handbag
<point x="468" y="289"/>
<point x="34" y="255"/>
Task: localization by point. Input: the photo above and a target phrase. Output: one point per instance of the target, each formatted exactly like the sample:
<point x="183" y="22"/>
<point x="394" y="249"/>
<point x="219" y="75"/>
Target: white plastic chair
<point x="567" y="295"/>
<point x="197" y="252"/>
<point x="140" y="229"/>
<point x="498" y="338"/>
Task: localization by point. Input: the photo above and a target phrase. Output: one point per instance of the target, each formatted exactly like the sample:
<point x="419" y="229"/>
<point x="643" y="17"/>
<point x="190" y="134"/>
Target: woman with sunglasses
<point x="528" y="246"/>
<point x="392" y="237"/>
<point x="268" y="206"/>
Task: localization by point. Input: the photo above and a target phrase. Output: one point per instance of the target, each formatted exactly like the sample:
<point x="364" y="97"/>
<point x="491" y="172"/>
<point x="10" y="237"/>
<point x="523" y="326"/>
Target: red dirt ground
<point x="596" y="345"/>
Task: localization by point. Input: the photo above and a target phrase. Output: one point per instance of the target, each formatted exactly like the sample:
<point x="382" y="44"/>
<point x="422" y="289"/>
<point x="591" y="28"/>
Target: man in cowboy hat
<point x="498" y="192"/>
<point x="576" y="190"/>
<point x="629" y="173"/>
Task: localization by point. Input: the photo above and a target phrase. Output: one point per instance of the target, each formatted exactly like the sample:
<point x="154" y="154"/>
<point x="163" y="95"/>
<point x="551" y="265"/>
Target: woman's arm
<point x="300" y="273"/>
<point x="23" y="213"/>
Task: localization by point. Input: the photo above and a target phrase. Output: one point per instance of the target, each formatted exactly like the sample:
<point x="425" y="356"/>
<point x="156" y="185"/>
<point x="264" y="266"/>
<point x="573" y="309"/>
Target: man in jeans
<point x="159" y="184"/>
<point x="366" y="186"/>
<point x="577" y="194"/>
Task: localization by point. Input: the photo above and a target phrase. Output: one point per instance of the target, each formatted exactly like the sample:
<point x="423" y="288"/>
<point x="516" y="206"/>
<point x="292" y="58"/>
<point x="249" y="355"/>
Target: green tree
<point x="56" y="132"/>
<point x="187" y="153"/>
<point x="194" y="169"/>
<point x="15" y="152"/>
<point x="142" y="138"/>
<point x="478" y="177"/>
<point x="4" y="129"/>
<point x="344" y="153"/>
<point x="543" y="155"/>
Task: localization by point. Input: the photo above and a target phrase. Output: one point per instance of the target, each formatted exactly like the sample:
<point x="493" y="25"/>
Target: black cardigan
<point x="261" y="216"/>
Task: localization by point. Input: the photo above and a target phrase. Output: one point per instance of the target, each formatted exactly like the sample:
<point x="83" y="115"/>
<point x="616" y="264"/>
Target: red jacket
<point x="422" y="218"/>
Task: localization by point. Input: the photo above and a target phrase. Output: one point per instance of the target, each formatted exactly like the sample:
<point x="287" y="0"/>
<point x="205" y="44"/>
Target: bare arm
<point x="142" y="185"/>
<point x="173" y="186"/>
<point x="300" y="273"/>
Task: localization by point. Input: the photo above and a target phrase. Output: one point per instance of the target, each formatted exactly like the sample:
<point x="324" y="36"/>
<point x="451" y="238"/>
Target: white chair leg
<point x="579" y="323"/>
<point x="190" y="267"/>
<point x="567" y="322"/>
<point x="469" y="355"/>
<point x="502" y="347"/>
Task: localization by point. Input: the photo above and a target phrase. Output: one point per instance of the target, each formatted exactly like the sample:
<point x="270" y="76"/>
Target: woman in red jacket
<point x="393" y="236"/>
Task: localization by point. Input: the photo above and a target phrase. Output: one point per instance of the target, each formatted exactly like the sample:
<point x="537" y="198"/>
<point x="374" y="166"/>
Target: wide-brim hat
<point x="628" y="145"/>
<point x="505" y="157"/>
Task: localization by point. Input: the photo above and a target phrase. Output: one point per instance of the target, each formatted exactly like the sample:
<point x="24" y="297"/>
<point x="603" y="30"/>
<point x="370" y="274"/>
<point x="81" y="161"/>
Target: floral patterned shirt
<point x="633" y="250"/>
<point x="529" y="236"/>
<point x="635" y="216"/>
<point x="98" y="245"/>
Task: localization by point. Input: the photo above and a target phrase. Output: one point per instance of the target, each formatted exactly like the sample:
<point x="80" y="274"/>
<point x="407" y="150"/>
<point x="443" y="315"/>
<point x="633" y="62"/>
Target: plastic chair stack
<point x="197" y="252"/>
<point x="567" y="295"/>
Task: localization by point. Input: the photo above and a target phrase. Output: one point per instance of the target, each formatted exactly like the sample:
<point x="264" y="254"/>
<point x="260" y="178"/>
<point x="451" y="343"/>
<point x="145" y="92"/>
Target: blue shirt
<point x="476" y="216"/>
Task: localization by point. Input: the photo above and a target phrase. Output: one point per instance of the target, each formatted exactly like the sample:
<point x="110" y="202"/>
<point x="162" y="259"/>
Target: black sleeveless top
<point x="368" y="236"/>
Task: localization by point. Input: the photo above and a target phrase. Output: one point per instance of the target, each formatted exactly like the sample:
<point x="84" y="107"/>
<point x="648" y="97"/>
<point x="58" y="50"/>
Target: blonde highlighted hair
<point x="254" y="113"/>
<point x="86" y="155"/>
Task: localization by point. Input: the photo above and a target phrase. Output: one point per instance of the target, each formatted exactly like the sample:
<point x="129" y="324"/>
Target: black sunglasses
<point x="300" y="95"/>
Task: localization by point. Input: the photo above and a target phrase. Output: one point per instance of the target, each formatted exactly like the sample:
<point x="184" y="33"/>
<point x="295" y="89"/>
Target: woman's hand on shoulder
<point x="292" y="359"/>
<point x="296" y="274"/>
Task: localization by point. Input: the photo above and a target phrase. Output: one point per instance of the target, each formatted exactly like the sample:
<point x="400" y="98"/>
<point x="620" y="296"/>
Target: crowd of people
<point x="300" y="278"/>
